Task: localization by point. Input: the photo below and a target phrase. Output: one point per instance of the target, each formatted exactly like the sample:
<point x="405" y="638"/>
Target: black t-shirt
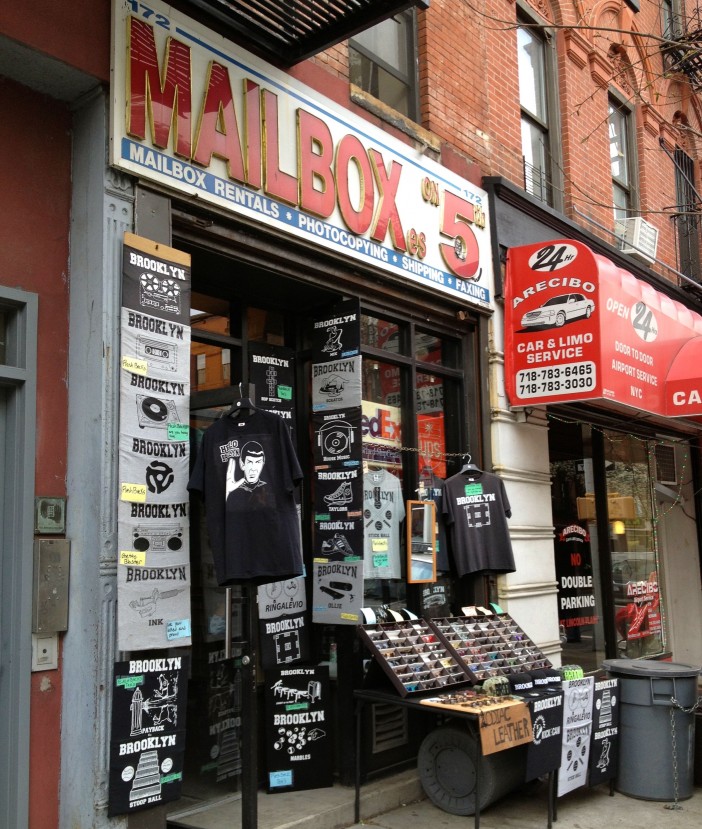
<point x="475" y="509"/>
<point x="247" y="470"/>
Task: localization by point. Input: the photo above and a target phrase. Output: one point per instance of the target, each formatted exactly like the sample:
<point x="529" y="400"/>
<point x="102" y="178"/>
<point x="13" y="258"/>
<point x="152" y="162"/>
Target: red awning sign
<point x="579" y="328"/>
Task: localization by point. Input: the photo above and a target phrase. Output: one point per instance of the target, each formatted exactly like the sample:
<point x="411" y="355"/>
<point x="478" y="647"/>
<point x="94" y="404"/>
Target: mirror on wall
<point x="421" y="541"/>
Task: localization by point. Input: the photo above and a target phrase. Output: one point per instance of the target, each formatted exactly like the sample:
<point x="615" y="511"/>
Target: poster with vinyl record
<point x="605" y="731"/>
<point x="298" y="729"/>
<point x="147" y="743"/>
<point x="338" y="333"/>
<point x="153" y="569"/>
<point x="337" y="438"/>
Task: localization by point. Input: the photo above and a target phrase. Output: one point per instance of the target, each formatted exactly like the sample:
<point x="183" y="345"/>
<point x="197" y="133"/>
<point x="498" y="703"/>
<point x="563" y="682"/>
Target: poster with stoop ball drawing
<point x="147" y="744"/>
<point x="298" y="729"/>
<point x="153" y="564"/>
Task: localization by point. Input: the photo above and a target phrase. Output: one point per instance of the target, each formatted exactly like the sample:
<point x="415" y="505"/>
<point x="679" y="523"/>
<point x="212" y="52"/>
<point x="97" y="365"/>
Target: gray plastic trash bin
<point x="646" y="758"/>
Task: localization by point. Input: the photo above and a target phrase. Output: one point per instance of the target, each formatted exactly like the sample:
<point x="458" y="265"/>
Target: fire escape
<point x="682" y="55"/>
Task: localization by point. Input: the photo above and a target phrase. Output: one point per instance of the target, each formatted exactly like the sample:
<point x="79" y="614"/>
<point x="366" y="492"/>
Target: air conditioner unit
<point x="637" y="237"/>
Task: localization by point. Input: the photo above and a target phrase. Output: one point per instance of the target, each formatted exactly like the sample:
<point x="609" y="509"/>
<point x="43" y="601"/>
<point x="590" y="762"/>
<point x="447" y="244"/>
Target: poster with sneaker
<point x="338" y="492"/>
<point x="605" y="731"/>
<point x="147" y="745"/>
<point x="338" y="333"/>
<point x="577" y="727"/>
<point x="298" y="729"/>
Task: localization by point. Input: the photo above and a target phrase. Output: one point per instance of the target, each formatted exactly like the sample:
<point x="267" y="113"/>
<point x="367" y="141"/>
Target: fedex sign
<point x="196" y="113"/>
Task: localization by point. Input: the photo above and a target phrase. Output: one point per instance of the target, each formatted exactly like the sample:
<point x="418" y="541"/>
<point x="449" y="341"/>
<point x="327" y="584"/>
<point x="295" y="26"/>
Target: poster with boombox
<point x="147" y="744"/>
<point x="153" y="564"/>
<point x="337" y="586"/>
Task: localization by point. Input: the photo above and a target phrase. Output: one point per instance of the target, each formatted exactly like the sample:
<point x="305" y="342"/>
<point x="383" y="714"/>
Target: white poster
<point x="153" y="559"/>
<point x="577" y="727"/>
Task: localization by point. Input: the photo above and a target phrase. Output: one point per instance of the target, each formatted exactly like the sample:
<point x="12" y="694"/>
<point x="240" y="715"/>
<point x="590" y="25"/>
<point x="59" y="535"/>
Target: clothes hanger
<point x="243" y="404"/>
<point x="469" y="466"/>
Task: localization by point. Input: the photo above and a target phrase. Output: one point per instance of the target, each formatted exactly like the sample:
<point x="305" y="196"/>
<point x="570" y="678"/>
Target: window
<point x="382" y="62"/>
<point x="621" y="159"/>
<point x="412" y="397"/>
<point x="687" y="217"/>
<point x="18" y="353"/>
<point x="670" y="23"/>
<point x="610" y="600"/>
<point x="533" y="59"/>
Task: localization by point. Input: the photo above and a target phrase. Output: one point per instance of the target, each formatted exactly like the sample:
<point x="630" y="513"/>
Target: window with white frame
<point x="620" y="154"/>
<point x="383" y="62"/>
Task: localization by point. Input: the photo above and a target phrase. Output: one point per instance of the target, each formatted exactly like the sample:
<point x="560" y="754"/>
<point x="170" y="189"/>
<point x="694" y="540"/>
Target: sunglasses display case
<point x="435" y="655"/>
<point x="488" y="646"/>
<point x="413" y="656"/>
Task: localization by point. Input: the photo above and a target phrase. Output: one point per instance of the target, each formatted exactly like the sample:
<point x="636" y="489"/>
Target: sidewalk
<point x="398" y="802"/>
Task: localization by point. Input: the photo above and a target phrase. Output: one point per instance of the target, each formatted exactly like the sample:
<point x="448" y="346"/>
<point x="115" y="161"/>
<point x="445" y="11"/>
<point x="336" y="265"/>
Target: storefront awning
<point x="289" y="32"/>
<point x="577" y="327"/>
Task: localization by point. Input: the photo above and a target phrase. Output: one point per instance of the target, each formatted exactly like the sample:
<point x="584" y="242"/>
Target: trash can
<point x="656" y="727"/>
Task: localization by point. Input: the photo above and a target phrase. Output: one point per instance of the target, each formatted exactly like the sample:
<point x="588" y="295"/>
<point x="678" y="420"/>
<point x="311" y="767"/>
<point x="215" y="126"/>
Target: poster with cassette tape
<point x="153" y="569"/>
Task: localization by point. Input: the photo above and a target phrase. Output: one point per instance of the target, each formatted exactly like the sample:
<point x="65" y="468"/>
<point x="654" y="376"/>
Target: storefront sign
<point x="153" y="566"/>
<point x="579" y="328"/>
<point x="200" y="115"/>
<point x="576" y="590"/>
<point x="148" y="733"/>
<point x="298" y="729"/>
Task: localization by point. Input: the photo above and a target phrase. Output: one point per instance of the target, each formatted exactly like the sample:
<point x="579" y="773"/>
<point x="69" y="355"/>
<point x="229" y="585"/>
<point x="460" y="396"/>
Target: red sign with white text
<point x="579" y="328"/>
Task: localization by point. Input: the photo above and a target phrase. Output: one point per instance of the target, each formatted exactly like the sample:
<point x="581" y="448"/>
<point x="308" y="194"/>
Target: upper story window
<point x="670" y="22"/>
<point x="533" y="60"/>
<point x="620" y="154"/>
<point x="382" y="62"/>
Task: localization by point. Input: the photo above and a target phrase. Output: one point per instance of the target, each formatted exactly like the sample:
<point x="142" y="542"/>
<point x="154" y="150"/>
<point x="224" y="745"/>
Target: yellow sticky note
<point x="379" y="545"/>
<point x="132" y="557"/>
<point x="135" y="365"/>
<point x="134" y="492"/>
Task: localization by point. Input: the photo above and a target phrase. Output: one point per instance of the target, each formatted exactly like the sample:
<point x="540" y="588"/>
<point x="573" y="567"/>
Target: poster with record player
<point x="153" y="555"/>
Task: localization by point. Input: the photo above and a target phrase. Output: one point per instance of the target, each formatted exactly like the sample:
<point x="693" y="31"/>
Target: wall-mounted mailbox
<point x="50" y="593"/>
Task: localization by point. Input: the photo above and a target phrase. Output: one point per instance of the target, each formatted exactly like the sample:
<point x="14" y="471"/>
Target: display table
<point x="432" y="704"/>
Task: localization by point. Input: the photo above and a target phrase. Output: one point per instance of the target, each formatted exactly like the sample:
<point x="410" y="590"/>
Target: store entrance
<point x="237" y="312"/>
